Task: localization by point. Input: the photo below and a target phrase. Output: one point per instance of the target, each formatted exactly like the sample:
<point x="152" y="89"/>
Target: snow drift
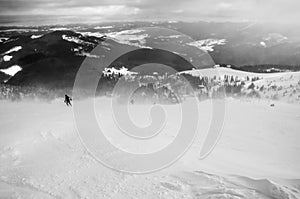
<point x="257" y="156"/>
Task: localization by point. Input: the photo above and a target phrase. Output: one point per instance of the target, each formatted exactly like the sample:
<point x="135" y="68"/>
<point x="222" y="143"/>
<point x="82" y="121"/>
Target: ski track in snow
<point x="41" y="157"/>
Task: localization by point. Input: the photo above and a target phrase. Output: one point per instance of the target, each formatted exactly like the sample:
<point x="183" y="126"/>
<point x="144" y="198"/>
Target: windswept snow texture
<point x="208" y="44"/>
<point x="257" y="156"/>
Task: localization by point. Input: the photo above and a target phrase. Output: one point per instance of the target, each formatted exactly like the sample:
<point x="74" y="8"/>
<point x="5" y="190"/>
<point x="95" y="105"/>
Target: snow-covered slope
<point x="284" y="86"/>
<point x="208" y="44"/>
<point x="257" y="156"/>
<point x="210" y="72"/>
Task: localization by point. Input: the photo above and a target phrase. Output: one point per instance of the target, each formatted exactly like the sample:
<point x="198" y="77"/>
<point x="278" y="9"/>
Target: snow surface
<point x="135" y="37"/>
<point x="59" y="29"/>
<point x="208" y="44"/>
<point x="273" y="39"/>
<point x="122" y="71"/>
<point x="92" y="34"/>
<point x="74" y="40"/>
<point x="3" y="39"/>
<point x="172" y="21"/>
<point x="14" y="49"/>
<point x="169" y="37"/>
<point x="21" y="30"/>
<point x="262" y="43"/>
<point x="7" y="57"/>
<point x="35" y="36"/>
<point x="210" y="72"/>
<point x="103" y="27"/>
<point x="86" y="54"/>
<point x="11" y="70"/>
<point x="257" y="156"/>
<point x="276" y="37"/>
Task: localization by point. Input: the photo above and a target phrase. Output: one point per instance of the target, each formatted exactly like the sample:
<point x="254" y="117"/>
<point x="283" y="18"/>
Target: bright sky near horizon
<point x="37" y="12"/>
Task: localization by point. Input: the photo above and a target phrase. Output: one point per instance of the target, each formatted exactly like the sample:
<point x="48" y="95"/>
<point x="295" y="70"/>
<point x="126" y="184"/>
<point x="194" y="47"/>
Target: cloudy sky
<point x="36" y="12"/>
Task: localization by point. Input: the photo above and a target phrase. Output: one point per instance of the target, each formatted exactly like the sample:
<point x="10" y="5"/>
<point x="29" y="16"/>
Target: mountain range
<point x="50" y="56"/>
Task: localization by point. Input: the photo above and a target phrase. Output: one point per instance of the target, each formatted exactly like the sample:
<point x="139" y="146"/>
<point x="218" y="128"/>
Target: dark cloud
<point x="43" y="11"/>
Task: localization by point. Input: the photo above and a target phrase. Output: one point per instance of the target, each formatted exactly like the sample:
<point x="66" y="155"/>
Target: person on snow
<point x="68" y="100"/>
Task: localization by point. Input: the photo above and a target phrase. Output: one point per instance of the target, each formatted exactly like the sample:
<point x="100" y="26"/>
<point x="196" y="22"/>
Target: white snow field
<point x="257" y="155"/>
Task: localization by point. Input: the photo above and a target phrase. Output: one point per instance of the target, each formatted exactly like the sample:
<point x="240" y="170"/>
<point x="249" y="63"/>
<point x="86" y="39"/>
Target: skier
<point x="132" y="101"/>
<point x="68" y="100"/>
